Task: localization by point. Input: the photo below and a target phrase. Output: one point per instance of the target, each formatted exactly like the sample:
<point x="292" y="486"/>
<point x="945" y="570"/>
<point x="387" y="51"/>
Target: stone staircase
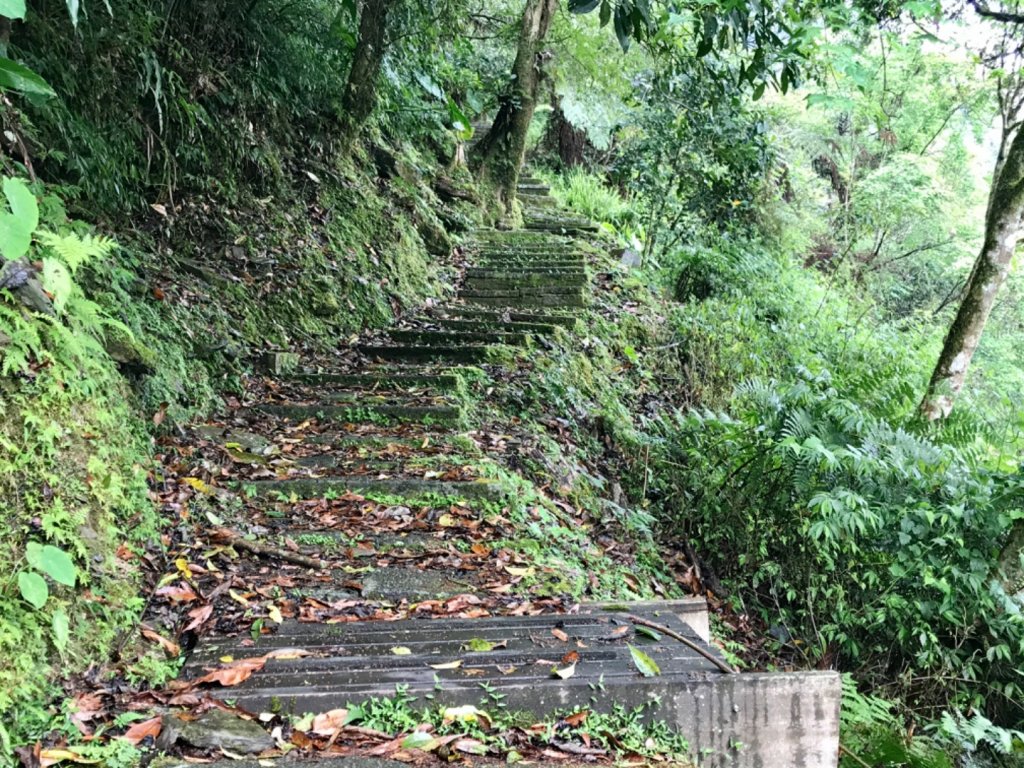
<point x="385" y="442"/>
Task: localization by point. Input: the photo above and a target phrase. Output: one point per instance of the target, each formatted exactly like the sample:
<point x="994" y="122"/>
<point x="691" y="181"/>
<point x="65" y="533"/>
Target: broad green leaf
<point x="23" y="202"/>
<point x="583" y="6"/>
<point x="419" y="740"/>
<point x="33" y="588"/>
<point x="647" y="632"/>
<point x="57" y="564"/>
<point x="61" y="629"/>
<point x="644" y="663"/>
<point x="12" y="9"/>
<point x="14" y="77"/>
<point x="14" y="237"/>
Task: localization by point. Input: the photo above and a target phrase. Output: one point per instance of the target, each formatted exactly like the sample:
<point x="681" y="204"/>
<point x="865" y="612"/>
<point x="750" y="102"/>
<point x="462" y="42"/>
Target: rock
<point x="277" y="363"/>
<point x="630" y="258"/>
<point x="218" y="729"/>
<point x="411" y="584"/>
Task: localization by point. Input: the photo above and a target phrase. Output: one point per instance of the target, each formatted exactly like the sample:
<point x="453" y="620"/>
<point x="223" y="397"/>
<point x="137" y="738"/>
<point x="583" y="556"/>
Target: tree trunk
<point x="1002" y="230"/>
<point x="361" y="86"/>
<point x="563" y="138"/>
<point x="499" y="155"/>
<point x="1011" y="570"/>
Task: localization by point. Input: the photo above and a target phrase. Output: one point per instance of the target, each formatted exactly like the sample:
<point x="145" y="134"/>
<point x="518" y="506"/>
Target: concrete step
<point x="477" y="313"/>
<point x="457" y="337"/>
<point x="369" y="485"/>
<point x="413" y="353"/>
<point x="735" y="720"/>
<point x="533" y="189"/>
<point x="356" y="413"/>
<point x="382" y="380"/>
<point x="509" y="264"/>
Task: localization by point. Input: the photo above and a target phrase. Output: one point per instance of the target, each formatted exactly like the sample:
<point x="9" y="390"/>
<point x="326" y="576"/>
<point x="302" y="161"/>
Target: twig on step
<point x="684" y="640"/>
<point x="264" y="550"/>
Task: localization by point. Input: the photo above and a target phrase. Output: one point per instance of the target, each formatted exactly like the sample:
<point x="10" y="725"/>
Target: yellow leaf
<point x="238" y="598"/>
<point x="447" y="521"/>
<point x="198" y="484"/>
<point x="182" y="565"/>
<point x="275" y="614"/>
<point x="226" y="659"/>
<point x="401" y="650"/>
<point x="447" y="665"/>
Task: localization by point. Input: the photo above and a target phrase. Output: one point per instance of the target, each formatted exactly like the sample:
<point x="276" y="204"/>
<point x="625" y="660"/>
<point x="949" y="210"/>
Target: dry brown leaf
<point x="234" y="673"/>
<point x="329" y="723"/>
<point x="151" y="634"/>
<point x="560" y="635"/>
<point x="199" y="616"/>
<point x="139" y="731"/>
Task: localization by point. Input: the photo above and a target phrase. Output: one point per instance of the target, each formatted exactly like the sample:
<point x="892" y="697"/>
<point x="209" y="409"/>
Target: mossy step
<point x="510" y="264"/>
<point x="560" y="251"/>
<point x="443" y="338"/>
<point x="513" y="272"/>
<point x="382" y="380"/>
<point x="521" y="291"/>
<point x="413" y="353"/>
<point x="356" y="413"/>
<point x="547" y="282"/>
<point x="566" y="321"/>
<point x="533" y="189"/>
<point x="549" y="300"/>
<point x="567" y="226"/>
<point x="403" y="487"/>
<point x="441" y="441"/>
<point x="530" y="180"/>
<point x="497" y="325"/>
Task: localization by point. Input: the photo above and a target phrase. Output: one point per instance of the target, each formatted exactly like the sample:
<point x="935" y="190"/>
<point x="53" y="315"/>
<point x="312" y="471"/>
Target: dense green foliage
<point x="805" y="190"/>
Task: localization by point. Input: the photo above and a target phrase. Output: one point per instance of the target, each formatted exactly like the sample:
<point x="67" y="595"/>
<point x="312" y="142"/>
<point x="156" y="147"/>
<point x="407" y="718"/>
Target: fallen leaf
<point x="199" y="616"/>
<point x="329" y="723"/>
<point x="466" y="714"/>
<point x="275" y="614"/>
<point x="479" y="645"/>
<point x="48" y="757"/>
<point x="401" y="650"/>
<point x="571" y="657"/>
<point x="644" y="663"/>
<point x="288" y="653"/>
<point x="560" y="635"/>
<point x="151" y="634"/>
<point x="447" y="665"/>
<point x="565" y="672"/>
<point x="198" y="485"/>
<point x="234" y="673"/>
<point x="577" y="719"/>
<point x="143" y="730"/>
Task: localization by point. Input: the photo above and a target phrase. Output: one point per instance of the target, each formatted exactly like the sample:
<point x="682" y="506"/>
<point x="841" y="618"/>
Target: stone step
<point x="356" y="413"/>
<point x="412" y="353"/>
<point x="533" y="291"/>
<point x="533" y="189"/>
<point x="382" y="380"/>
<point x="545" y="282"/>
<point x="511" y="272"/>
<point x="538" y="247"/>
<point x="568" y="227"/>
<point x="506" y="264"/>
<point x="774" y="720"/>
<point x="536" y="328"/>
<point x="367" y="485"/>
<point x="477" y="313"/>
<point x="548" y="301"/>
<point x="455" y="336"/>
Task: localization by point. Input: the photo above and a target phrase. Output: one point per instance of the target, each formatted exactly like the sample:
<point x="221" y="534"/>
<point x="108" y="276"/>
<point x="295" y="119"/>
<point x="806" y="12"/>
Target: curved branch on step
<point x="697" y="647"/>
<point x="237" y="541"/>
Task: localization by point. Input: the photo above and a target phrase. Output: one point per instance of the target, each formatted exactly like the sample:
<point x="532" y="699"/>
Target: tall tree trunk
<point x="568" y="142"/>
<point x="361" y="86"/>
<point x="1002" y="231"/>
<point x="499" y="155"/>
<point x="1011" y="569"/>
